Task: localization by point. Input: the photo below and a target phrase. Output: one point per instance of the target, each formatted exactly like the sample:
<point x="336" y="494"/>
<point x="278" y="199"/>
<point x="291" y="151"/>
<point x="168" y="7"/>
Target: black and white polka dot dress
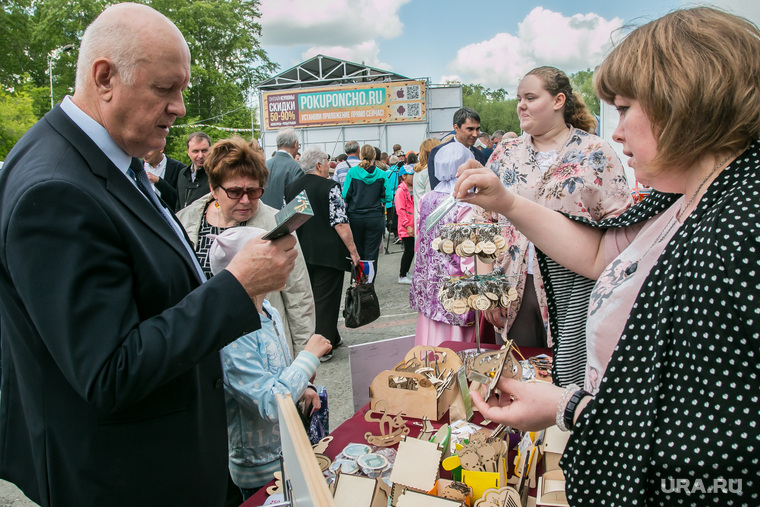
<point x="677" y="418"/>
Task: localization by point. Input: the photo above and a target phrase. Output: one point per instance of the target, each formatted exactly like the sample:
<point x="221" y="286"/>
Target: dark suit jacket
<point x="111" y="390"/>
<point x="282" y="170"/>
<point x="479" y="156"/>
<point x="189" y="191"/>
<point x="168" y="184"/>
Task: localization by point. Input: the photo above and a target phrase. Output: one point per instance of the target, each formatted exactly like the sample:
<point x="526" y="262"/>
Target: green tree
<point x="16" y="117"/>
<point x="583" y="83"/>
<point x="496" y="111"/>
<point x="227" y="59"/>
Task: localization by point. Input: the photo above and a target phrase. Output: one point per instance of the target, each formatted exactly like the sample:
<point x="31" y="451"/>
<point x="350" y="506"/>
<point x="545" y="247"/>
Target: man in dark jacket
<point x="192" y="182"/>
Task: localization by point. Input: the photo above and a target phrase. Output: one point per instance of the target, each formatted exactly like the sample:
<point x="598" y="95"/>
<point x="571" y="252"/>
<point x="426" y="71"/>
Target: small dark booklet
<point x="291" y="217"/>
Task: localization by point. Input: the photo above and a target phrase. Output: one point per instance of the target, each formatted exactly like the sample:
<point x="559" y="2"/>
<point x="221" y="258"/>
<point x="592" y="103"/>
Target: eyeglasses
<point x="236" y="193"/>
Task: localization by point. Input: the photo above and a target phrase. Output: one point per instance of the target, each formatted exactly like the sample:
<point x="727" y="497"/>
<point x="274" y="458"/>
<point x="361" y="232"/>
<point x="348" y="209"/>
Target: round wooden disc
<point x="447" y="246"/>
<point x="489" y="248"/>
<point x="468" y="247"/>
<point x="500" y="242"/>
<point x="436" y="244"/>
<point x="460" y="306"/>
<point x="512" y="294"/>
<point x="323" y="461"/>
<point x="482" y="303"/>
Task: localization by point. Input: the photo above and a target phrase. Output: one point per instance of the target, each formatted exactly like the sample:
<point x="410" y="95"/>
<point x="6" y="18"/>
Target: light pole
<point x="54" y="54"/>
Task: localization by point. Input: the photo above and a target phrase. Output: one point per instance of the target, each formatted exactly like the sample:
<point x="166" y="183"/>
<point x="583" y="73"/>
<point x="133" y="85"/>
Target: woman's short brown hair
<point x="232" y="158"/>
<point x="696" y="74"/>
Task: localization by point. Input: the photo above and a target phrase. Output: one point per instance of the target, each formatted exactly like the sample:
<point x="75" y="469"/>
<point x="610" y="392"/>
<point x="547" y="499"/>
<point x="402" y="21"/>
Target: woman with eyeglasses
<point x="237" y="175"/>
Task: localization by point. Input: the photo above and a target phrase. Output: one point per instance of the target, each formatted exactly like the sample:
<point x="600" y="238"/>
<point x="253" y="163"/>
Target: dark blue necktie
<point x="136" y="171"/>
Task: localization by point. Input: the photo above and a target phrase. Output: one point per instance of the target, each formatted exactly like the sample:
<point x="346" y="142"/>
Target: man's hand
<point x="318" y="345"/>
<point x="527" y="406"/>
<point x="152" y="177"/>
<point x="263" y="266"/>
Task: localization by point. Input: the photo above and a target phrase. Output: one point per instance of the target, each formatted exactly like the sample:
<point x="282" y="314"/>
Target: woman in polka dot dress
<point x="670" y="413"/>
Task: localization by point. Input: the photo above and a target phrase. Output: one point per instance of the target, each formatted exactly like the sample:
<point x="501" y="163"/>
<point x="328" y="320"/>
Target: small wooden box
<point x="412" y="394"/>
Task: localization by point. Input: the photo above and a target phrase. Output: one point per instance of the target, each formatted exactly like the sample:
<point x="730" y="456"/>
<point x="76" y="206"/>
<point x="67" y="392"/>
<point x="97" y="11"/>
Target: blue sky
<point x="492" y="43"/>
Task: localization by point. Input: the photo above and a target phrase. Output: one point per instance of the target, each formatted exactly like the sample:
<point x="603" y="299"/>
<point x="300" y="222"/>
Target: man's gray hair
<point x="498" y="134"/>
<point x="352" y="147"/>
<point x="309" y="159"/>
<point x="287" y="138"/>
<point x="118" y="42"/>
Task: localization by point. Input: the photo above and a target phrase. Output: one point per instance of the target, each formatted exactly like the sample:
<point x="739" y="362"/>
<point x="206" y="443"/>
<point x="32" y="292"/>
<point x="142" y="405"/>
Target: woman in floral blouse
<point x="559" y="164"/>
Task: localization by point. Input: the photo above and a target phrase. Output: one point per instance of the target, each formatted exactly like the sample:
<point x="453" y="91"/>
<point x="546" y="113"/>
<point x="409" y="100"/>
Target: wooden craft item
<point x="406" y="497"/>
<point x="416" y="465"/>
<point x="323" y="461"/>
<point x="277" y="488"/>
<point x="414" y="394"/>
<point x="391" y="428"/>
<point x="454" y="490"/>
<point x="427" y="431"/>
<point x="502" y="497"/>
<point x="321" y="446"/>
<point x="356" y="490"/>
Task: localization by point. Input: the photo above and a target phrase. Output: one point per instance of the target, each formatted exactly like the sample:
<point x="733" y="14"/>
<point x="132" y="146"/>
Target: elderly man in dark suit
<point x="112" y="389"/>
<point x="283" y="169"/>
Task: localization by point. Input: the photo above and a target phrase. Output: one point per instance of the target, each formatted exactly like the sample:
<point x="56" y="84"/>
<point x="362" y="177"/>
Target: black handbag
<point x="361" y="306"/>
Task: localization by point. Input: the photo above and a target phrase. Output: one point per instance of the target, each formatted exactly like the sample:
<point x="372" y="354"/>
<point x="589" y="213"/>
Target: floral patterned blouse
<point x="337" y="207"/>
<point x="586" y="179"/>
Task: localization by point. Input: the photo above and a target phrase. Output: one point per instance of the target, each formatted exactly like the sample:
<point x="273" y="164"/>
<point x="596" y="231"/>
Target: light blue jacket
<point x="257" y="366"/>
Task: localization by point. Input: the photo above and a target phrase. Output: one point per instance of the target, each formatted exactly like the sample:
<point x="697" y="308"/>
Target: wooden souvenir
<point x="459" y="306"/>
<point x="277" y="488"/>
<point x="409" y="498"/>
<point x="452" y="490"/>
<point x="502" y="497"/>
<point x="391" y="428"/>
<point x="551" y="485"/>
<point x="416" y="465"/>
<point x="413" y="394"/>
<point x="321" y="446"/>
<point x="358" y="491"/>
<point x="489" y="248"/>
<point x="323" y="461"/>
<point x="468" y="248"/>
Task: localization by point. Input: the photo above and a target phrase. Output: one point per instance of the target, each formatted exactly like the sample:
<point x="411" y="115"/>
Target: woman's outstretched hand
<point x="479" y="185"/>
<point x="527" y="406"/>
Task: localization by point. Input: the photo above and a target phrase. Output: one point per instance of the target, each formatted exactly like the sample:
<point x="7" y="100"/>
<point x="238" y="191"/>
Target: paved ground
<point x="397" y="319"/>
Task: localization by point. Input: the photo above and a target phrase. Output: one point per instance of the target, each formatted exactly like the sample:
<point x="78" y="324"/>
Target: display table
<point x="354" y="429"/>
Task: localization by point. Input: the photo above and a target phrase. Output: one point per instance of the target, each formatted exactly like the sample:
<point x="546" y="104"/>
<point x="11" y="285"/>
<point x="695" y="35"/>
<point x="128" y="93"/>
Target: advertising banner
<point x="398" y="101"/>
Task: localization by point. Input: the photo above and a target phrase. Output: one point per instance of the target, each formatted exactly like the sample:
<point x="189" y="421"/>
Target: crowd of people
<point x="157" y="324"/>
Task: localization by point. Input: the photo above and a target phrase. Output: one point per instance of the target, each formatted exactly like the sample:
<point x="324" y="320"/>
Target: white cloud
<point x="343" y="23"/>
<point x="366" y="52"/>
<point x="544" y="37"/>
